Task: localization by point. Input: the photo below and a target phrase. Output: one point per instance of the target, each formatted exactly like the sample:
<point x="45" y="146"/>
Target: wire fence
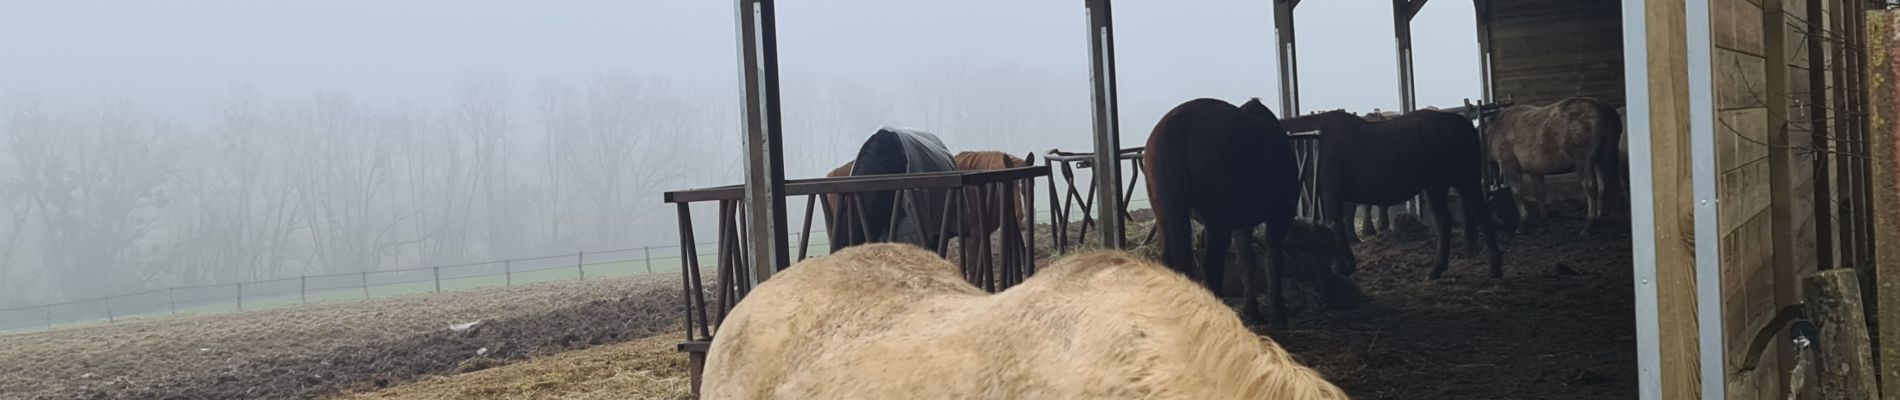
<point x="364" y="285"/>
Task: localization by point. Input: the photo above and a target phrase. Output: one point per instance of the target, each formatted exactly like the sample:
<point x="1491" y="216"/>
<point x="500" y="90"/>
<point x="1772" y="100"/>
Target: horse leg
<point x="1478" y="218"/>
<point x="1441" y="210"/>
<point x="1352" y="219"/>
<point x="1385" y="220"/>
<point x="1276" y="272"/>
<point x="1471" y="226"/>
<point x="1177" y="237"/>
<point x="1540" y="204"/>
<point x="1331" y="207"/>
<point x="1214" y="260"/>
<point x="1592" y="197"/>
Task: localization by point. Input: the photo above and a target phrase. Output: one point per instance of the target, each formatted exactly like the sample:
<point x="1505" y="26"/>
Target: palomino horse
<point x="892" y="321"/>
<point x="1232" y="170"/>
<point x="1389" y="162"/>
<point x="1574" y="135"/>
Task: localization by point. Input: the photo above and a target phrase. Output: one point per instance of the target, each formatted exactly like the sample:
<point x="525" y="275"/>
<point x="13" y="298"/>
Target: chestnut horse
<point x="1232" y="169"/>
<point x="1575" y="135"/>
<point x="1389" y="162"/>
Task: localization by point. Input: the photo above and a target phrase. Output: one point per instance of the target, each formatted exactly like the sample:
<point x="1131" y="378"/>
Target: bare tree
<point x="96" y="179"/>
<point x="630" y="143"/>
<point x="343" y="173"/>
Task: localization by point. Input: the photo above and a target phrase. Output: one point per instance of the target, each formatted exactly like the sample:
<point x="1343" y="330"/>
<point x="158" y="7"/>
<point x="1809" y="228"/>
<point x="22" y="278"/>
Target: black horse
<point x="1389" y="162"/>
<point x="1232" y="169"/>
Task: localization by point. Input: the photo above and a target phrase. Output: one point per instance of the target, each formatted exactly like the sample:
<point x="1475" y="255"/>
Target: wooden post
<point x="647" y="253"/>
<point x="1884" y="104"/>
<point x="171" y="295"/>
<point x="365" y="281"/>
<point x="240" y="296"/>
<point x="508" y="271"/>
<point x="109" y="316"/>
<point x="303" y="289"/>
<point x="437" y="270"/>
<point x="48" y="311"/>
<point x="580" y="264"/>
<point x="1845" y="363"/>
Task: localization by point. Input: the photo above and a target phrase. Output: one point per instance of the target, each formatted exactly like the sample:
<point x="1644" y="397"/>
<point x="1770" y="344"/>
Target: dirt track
<point x="316" y="351"/>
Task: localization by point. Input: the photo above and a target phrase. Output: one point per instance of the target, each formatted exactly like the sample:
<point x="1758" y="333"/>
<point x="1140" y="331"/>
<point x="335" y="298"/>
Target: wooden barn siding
<point x="1743" y="190"/>
<point x="1548" y="50"/>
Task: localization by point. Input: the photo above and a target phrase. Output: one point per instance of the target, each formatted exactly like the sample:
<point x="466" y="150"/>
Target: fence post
<point x="49" y="316"/>
<point x="647" y="252"/>
<point x="508" y="269"/>
<point x="365" y="281"/>
<point x="109" y="316"/>
<point x="580" y="264"/>
<point x="438" y="279"/>
<point x="303" y="289"/>
<point x="240" y="296"/>
<point x="171" y="295"/>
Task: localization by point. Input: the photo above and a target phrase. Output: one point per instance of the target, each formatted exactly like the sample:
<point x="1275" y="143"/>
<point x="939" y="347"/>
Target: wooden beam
<point x="1817" y="129"/>
<point x="1884" y="134"/>
<point x="1107" y="125"/>
<point x="1666" y="92"/>
<point x="1781" y="161"/>
<point x="1846" y="367"/>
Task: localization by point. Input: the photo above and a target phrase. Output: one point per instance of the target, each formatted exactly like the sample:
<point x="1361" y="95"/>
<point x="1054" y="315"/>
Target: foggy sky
<point x="178" y="55"/>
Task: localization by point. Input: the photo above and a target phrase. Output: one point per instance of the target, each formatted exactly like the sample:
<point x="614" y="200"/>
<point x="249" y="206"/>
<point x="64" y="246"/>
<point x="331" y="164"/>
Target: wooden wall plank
<point x="1884" y="137"/>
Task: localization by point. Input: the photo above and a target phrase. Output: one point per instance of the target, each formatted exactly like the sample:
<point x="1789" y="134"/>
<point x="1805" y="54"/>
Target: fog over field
<point x="145" y="145"/>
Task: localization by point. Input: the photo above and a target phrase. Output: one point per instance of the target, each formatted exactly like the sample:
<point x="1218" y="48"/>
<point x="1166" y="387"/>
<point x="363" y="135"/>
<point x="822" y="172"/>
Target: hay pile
<point x="642" y="369"/>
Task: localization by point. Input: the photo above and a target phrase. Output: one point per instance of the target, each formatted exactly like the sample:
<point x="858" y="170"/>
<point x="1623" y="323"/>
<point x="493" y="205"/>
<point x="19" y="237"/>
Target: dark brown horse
<point x="1389" y="162"/>
<point x="1221" y="165"/>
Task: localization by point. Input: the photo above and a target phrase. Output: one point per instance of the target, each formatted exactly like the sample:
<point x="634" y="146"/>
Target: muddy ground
<point x="1559" y="325"/>
<point x="318" y="351"/>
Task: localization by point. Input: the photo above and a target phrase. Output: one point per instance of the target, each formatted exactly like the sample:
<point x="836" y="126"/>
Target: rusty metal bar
<point x="689" y="273"/>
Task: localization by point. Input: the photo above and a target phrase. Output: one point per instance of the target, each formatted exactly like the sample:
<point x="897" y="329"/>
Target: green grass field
<point x="708" y="259"/>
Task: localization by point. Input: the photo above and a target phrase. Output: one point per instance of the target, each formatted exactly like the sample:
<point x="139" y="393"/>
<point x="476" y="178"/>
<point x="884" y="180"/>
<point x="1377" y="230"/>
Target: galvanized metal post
<point x="580" y="264"/>
<point x="303" y="289"/>
<point x="647" y="253"/>
<point x="1289" y="57"/>
<point x="109" y="316"/>
<point x="1109" y="207"/>
<point x="365" y="280"/>
<point x="508" y="271"/>
<point x="240" y="296"/>
<point x="1649" y="373"/>
<point x="48" y="310"/>
<point x="437" y="270"/>
<point x="1402" y="13"/>
<point x="765" y="175"/>
<point x="171" y="296"/>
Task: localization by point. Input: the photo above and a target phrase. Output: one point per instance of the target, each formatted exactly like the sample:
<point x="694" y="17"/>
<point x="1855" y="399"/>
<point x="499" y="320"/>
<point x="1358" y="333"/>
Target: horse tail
<point x="1607" y="152"/>
<point x="1168" y="190"/>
